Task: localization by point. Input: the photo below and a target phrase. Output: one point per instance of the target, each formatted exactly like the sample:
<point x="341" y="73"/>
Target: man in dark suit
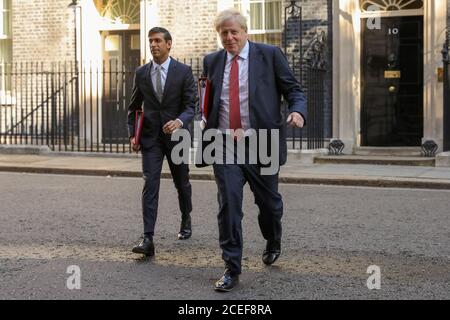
<point x="247" y="80"/>
<point x="168" y="91"/>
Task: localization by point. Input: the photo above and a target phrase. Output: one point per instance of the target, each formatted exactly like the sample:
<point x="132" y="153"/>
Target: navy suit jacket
<point x="269" y="78"/>
<point x="179" y="99"/>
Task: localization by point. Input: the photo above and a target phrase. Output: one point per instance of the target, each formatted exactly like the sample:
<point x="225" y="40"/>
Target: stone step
<point x="389" y="151"/>
<point x="376" y="160"/>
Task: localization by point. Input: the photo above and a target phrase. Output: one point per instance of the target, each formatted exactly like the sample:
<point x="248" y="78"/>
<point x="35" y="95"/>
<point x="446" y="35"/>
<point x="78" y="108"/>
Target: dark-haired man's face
<point x="159" y="47"/>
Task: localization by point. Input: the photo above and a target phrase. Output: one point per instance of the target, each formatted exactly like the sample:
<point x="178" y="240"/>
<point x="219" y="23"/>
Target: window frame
<point x="5" y="85"/>
<point x="117" y="23"/>
<point x="389" y="13"/>
<point x="244" y="7"/>
<point x="4" y="11"/>
<point x="362" y="3"/>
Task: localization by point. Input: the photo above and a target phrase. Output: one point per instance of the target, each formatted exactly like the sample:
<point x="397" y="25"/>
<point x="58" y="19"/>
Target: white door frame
<point x="347" y="71"/>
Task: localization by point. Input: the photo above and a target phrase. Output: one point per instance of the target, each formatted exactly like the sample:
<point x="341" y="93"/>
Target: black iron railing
<point x="308" y="63"/>
<point x="37" y="107"/>
<point x="69" y="107"/>
<point x="83" y="107"/>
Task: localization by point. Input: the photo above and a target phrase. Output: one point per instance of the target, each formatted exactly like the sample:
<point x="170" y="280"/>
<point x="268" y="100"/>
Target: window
<point x="391" y="5"/>
<point x="5" y="43"/>
<point x="5" y="31"/>
<point x="264" y="19"/>
<point x="119" y="11"/>
<point x="112" y="42"/>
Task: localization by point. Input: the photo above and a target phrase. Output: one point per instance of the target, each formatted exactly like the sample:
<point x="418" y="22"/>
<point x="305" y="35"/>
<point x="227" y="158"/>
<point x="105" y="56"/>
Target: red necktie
<point x="235" y="108"/>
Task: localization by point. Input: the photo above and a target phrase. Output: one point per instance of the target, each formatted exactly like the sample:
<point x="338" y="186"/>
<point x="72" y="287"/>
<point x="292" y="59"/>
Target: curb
<point x="410" y="161"/>
<point x="361" y="181"/>
<point x="83" y="172"/>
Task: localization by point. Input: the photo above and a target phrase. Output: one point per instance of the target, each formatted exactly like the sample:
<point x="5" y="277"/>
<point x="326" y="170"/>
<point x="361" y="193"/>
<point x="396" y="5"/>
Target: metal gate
<point x="308" y="63"/>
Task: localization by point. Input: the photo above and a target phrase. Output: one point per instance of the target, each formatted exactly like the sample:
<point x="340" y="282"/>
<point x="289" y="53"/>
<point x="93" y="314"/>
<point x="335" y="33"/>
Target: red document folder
<point x="138" y="124"/>
<point x="204" y="88"/>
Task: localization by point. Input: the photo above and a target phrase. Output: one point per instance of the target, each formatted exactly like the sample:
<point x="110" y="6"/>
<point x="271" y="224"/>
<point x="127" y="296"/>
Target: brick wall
<point x="191" y="26"/>
<point x="42" y="30"/>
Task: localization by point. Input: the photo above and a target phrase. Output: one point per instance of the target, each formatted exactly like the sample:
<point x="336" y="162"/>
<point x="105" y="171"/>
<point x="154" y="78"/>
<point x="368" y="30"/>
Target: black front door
<point x="121" y="54"/>
<point x="392" y="82"/>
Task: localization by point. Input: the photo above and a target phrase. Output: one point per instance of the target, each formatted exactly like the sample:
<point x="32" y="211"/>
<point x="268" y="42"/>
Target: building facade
<point x="381" y="60"/>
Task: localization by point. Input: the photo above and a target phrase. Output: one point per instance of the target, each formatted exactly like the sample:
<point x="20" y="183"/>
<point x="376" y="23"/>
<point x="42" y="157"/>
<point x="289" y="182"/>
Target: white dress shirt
<point x="224" y="111"/>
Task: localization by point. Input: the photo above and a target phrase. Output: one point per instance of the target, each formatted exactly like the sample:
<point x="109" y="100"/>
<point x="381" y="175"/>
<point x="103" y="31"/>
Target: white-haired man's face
<point x="233" y="36"/>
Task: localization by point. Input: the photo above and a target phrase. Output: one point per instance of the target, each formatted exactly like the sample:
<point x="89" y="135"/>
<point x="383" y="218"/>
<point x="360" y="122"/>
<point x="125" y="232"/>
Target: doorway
<point x="392" y="82"/>
<point x="121" y="57"/>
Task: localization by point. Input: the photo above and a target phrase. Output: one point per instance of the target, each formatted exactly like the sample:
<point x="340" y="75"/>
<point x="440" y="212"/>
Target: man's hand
<point x="134" y="146"/>
<point x="295" y="119"/>
<point x="171" y="126"/>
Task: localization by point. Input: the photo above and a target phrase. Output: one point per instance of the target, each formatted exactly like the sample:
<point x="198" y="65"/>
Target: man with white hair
<point x="247" y="81"/>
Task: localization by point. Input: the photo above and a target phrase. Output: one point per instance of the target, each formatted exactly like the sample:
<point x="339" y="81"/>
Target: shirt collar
<point x="243" y="54"/>
<point x="164" y="65"/>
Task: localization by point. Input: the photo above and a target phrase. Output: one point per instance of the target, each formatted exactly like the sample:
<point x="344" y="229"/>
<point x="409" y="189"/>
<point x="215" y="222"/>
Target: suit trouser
<point x="230" y="179"/>
<point x="152" y="161"/>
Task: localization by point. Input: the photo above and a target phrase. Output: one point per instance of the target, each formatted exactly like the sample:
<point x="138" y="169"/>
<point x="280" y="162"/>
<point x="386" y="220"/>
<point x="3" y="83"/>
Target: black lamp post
<point x="446" y="115"/>
<point x="75" y="5"/>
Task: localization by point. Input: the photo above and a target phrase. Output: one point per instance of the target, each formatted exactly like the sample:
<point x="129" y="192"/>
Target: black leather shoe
<point x="146" y="247"/>
<point x="227" y="282"/>
<point x="272" y="252"/>
<point x="185" y="229"/>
